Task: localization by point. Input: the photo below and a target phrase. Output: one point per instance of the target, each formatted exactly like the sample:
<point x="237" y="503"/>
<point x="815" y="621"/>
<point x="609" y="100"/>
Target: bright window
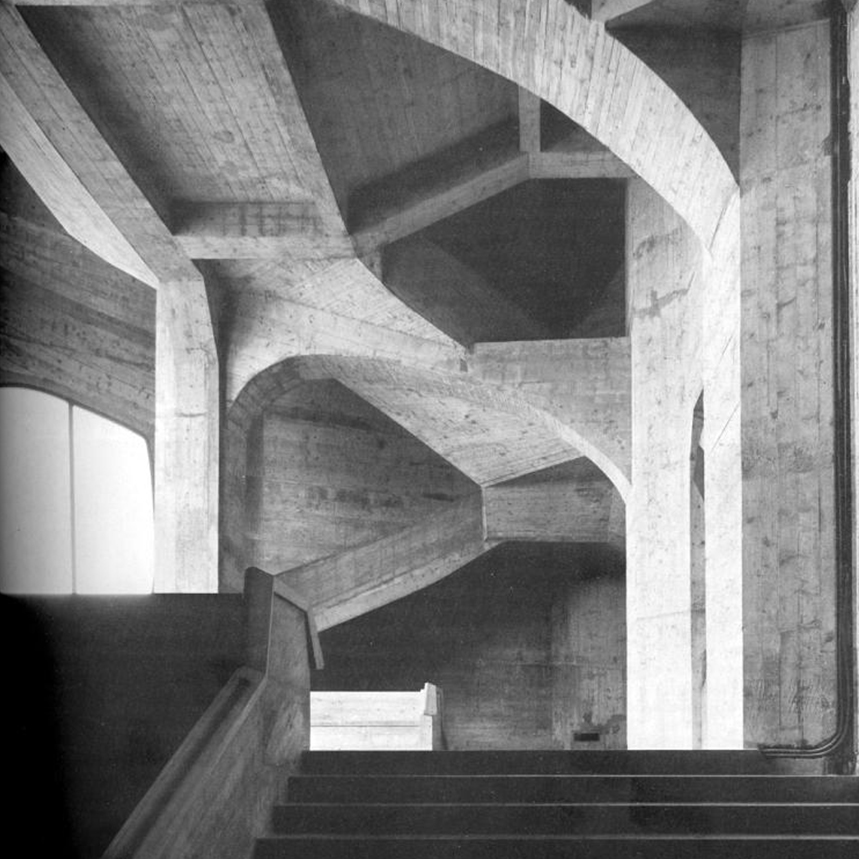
<point x="75" y="500"/>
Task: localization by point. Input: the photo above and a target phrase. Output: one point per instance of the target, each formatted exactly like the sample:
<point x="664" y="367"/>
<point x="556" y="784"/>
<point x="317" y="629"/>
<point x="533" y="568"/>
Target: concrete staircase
<point x="610" y="805"/>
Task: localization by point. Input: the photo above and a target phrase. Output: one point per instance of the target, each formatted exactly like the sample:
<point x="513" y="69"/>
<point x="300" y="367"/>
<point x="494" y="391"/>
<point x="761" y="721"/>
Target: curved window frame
<point x="102" y="541"/>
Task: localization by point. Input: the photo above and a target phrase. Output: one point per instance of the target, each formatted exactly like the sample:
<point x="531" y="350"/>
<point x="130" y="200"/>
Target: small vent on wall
<point x="586" y="736"/>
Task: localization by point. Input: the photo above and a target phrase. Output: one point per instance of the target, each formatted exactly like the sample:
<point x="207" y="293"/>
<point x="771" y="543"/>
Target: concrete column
<point x="787" y="374"/>
<point x="723" y="489"/>
<point x="186" y="441"/>
<point x="664" y="274"/>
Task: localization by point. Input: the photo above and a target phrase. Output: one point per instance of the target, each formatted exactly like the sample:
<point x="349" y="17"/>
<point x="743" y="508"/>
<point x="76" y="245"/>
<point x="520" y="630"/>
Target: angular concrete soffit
<point x="501" y="171"/>
<point x="340" y="367"/>
<point x="367" y="577"/>
<point x="483" y="393"/>
<point x="612" y="65"/>
<point x="698" y="183"/>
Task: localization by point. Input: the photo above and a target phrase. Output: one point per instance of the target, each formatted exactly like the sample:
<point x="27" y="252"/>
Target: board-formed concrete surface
<point x="236" y="200"/>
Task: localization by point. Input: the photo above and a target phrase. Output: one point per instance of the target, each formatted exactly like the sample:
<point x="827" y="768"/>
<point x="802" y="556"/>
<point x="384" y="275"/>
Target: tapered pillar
<point x="664" y="274"/>
<point x="186" y="441"/>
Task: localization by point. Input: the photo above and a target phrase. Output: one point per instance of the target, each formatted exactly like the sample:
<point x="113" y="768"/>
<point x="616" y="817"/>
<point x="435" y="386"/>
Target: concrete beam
<point x="108" y="3"/>
<point x="360" y="580"/>
<point x="577" y="165"/>
<point x="406" y="203"/>
<point x="529" y="121"/>
<point x="61" y="190"/>
<point x="609" y="92"/>
<point x="382" y="224"/>
<point x="257" y="21"/>
<point x="573" y="503"/>
<point x="65" y="158"/>
<point x="607" y="10"/>
<point x="255" y="230"/>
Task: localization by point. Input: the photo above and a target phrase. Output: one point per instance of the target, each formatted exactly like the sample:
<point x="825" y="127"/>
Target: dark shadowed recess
<point x="106" y="689"/>
<point x="490" y="637"/>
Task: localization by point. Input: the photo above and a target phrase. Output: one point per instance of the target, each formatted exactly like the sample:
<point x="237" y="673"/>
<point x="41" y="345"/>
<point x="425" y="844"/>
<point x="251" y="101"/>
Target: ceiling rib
<point x="606" y="10"/>
<point x="61" y="191"/>
<point x="399" y="221"/>
<point x="109" y="211"/>
<point x="56" y="119"/>
<point x="472" y="172"/>
<point x="529" y="121"/>
<point x="437" y="187"/>
<point x="577" y="165"/>
<point x="255" y="231"/>
<point x="260" y="28"/>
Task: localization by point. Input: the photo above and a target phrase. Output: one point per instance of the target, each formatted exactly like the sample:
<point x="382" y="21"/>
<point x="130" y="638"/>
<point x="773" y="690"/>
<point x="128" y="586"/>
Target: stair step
<point x="521" y="789"/>
<point x="565" y="819"/>
<point x="554" y="847"/>
<point x="545" y="762"/>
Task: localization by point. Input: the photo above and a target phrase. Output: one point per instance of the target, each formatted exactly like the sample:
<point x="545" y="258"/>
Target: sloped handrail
<point x="184" y="772"/>
<point x="214" y="795"/>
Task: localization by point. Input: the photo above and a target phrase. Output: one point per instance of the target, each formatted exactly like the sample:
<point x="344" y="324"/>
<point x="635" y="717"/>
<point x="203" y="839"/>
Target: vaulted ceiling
<point x="257" y="134"/>
<point x="386" y="188"/>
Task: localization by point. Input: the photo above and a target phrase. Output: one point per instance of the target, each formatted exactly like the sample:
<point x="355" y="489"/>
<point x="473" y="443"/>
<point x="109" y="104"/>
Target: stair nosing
<point x="563" y="837"/>
<point x="561" y="804"/>
<point x="502" y="775"/>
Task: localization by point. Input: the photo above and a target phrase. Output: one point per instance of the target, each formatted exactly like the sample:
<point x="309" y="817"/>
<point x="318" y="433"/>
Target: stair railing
<point x="214" y="796"/>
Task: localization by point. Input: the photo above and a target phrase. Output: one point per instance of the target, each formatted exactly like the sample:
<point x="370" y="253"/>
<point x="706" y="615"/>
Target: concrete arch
<point x="552" y="50"/>
<point x="340" y="308"/>
<point x="535" y="437"/>
<point x="488" y="431"/>
<point x="570" y="61"/>
<point x="497" y="418"/>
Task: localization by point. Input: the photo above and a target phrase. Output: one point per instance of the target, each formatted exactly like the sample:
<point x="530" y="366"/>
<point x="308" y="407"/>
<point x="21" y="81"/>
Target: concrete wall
<point x="589" y="661"/>
<point x="788" y="479"/>
<point x="526" y="644"/>
<point x="329" y="472"/>
<point x="70" y="324"/>
<point x="108" y="688"/>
